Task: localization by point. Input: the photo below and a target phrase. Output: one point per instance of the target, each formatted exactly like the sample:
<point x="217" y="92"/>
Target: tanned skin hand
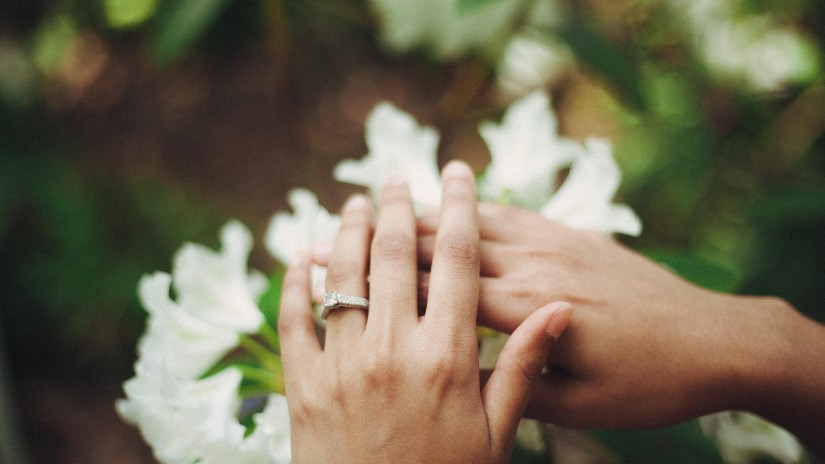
<point x="645" y="348"/>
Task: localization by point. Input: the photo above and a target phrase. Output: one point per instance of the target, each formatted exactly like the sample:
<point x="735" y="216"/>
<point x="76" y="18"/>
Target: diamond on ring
<point x="335" y="300"/>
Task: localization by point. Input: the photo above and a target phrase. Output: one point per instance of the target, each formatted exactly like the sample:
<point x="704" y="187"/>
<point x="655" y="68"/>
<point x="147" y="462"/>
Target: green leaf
<point x="468" y="6"/>
<point x="682" y="444"/>
<point x="595" y="52"/>
<point x="181" y="24"/>
<point x="697" y="269"/>
<point x="270" y="304"/>
<point x="125" y="14"/>
<point x="788" y="206"/>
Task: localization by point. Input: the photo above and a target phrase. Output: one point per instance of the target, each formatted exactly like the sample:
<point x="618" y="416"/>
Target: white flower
<point x="271" y="433"/>
<point x="179" y="418"/>
<point x="442" y="26"/>
<point x="308" y="225"/>
<point x="215" y="303"/>
<point x="584" y="201"/>
<point x="268" y="444"/>
<point x="752" y="49"/>
<point x="397" y="146"/>
<point x="529" y="63"/>
<point x="216" y="287"/>
<point x="527" y="153"/>
<point x="742" y="437"/>
<point x="190" y="344"/>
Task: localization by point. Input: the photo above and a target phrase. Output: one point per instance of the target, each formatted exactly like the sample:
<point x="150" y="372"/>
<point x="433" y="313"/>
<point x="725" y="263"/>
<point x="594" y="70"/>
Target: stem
<point x="271" y="336"/>
<point x="270" y="362"/>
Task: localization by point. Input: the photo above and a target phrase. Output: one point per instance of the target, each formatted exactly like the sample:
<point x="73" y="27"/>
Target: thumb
<point x="518" y="370"/>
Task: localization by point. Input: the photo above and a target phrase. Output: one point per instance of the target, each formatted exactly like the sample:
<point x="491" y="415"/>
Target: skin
<point x="392" y="385"/>
<point x="645" y="348"/>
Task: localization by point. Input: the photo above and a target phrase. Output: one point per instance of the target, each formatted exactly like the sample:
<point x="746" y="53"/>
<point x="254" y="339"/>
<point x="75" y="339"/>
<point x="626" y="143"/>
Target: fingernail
<point x="456" y="168"/>
<point x="559" y="320"/>
<point x="356" y="202"/>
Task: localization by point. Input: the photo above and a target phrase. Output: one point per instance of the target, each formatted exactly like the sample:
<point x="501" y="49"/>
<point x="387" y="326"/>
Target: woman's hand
<point x="645" y="348"/>
<point x="390" y="385"/>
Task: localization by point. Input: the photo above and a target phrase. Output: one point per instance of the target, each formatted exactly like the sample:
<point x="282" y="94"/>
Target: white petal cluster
<point x="745" y="437"/>
<point x="529" y="62"/>
<point x="184" y="416"/>
<point x="443" y="26"/>
<point x="528" y="155"/>
<point x="398" y="146"/>
<point x="453" y="29"/>
<point x="751" y="49"/>
<point x="309" y="224"/>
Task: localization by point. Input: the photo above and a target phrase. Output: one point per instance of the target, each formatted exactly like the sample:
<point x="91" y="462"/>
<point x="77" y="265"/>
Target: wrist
<point x="780" y="370"/>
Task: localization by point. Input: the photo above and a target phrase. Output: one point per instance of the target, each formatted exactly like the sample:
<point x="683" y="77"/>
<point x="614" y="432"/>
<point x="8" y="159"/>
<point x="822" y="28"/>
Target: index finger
<point x="454" y="279"/>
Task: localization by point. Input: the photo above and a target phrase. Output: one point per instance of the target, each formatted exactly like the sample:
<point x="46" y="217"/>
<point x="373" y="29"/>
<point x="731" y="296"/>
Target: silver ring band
<point x="335" y="300"/>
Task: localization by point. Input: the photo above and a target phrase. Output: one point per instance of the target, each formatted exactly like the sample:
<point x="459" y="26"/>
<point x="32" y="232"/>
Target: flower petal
<point x="584" y="199"/>
<point x="526" y="152"/>
<point x="397" y="146"/>
<point x="215" y="286"/>
<point x="309" y="224"/>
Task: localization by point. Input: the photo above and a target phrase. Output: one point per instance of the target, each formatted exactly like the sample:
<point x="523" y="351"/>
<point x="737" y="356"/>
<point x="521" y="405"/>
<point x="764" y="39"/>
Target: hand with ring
<point x="390" y="384"/>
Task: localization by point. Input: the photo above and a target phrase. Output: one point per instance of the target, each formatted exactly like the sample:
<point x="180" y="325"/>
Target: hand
<point x="390" y="385"/>
<point x="644" y="348"/>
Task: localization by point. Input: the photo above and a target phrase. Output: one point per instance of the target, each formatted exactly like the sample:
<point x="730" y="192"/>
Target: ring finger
<point x="347" y="269"/>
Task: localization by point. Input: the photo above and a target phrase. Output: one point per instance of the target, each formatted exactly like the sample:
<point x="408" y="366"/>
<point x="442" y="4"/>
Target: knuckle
<point x="303" y="405"/>
<point x="530" y="371"/>
<point x="460" y="251"/>
<point x="354" y="221"/>
<point x="394" y="247"/>
<point x="395" y="195"/>
<point x="341" y="272"/>
<point x="444" y="370"/>
<point x="380" y="370"/>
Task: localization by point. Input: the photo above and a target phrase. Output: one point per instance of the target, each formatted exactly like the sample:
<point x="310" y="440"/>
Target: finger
<point x="497" y="307"/>
<point x="299" y="344"/>
<point x="496" y="257"/>
<point x="491" y="225"/>
<point x="453" y="284"/>
<point x="500" y="307"/>
<point x="322" y="252"/>
<point x="347" y="269"/>
<point x="393" y="270"/>
<point x="518" y="370"/>
<point x="510" y="224"/>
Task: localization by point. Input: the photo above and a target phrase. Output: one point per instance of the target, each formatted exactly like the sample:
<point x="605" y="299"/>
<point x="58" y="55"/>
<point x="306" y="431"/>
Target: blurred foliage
<point x="729" y="179"/>
<point x="74" y="243"/>
<point x="183" y="23"/>
<point x="683" y="443"/>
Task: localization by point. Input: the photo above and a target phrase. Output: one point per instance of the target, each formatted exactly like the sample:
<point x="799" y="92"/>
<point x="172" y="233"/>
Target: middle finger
<point x="393" y="269"/>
